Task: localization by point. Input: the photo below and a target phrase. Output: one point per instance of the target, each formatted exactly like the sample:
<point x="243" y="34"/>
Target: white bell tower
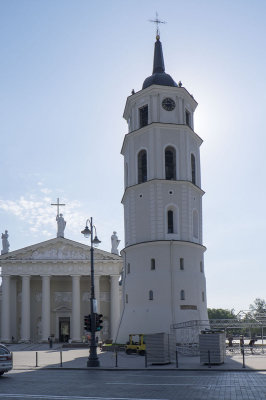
<point x="164" y="280"/>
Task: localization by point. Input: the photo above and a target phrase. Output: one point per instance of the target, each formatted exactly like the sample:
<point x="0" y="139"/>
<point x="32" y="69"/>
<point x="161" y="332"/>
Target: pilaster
<point x="25" y="309"/>
<point x="5" y="317"/>
<point x="115" y="305"/>
<point x="46" y="309"/>
<point x="75" y="308"/>
<point x="97" y="292"/>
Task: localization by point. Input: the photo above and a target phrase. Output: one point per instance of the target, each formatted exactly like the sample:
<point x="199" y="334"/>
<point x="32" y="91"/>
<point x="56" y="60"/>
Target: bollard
<point x="176" y="358"/>
<point x="116" y="359"/>
<point x="146" y="361"/>
<point x="36" y="359"/>
<point x="209" y="359"/>
<point x="243" y="354"/>
<point x="61" y="359"/>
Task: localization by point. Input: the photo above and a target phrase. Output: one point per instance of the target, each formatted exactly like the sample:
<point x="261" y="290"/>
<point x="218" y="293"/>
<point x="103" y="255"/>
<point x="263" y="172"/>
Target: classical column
<point x="46" y="309"/>
<point x="97" y="292"/>
<point x="13" y="308"/>
<point x="115" y="305"/>
<point x="5" y="315"/>
<point x="25" y="309"/>
<point x="76" y="308"/>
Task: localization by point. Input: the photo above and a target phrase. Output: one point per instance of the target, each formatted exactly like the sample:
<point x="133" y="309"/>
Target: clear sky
<point x="67" y="67"/>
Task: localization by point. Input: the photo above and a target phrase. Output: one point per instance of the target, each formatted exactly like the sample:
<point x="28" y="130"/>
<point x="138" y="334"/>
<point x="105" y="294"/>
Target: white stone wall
<point x="153" y="97"/>
<point x="154" y="139"/>
<point x="149" y="201"/>
<point x="142" y="315"/>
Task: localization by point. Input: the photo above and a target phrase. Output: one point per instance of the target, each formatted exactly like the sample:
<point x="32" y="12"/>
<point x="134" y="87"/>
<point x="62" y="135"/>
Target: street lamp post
<point x="93" y="360"/>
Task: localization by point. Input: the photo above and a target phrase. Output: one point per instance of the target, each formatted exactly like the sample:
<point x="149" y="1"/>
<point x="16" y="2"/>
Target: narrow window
<point x="142" y="166"/>
<point x="203" y="296"/>
<point x="182" y="295"/>
<point x="170" y="221"/>
<point x="193" y="169"/>
<point x="201" y="266"/>
<point x="150" y="295"/>
<point x="143" y="116"/>
<point x="181" y="263"/>
<point x="128" y="268"/>
<point x="195" y="221"/>
<point x="153" y="263"/>
<point x="170" y="163"/>
<point x="126" y="174"/>
<point x="126" y="298"/>
<point x="187" y="118"/>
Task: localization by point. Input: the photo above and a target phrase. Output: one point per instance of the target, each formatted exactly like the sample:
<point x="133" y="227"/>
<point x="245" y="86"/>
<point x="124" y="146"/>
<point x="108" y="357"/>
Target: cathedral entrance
<point x="64" y="329"/>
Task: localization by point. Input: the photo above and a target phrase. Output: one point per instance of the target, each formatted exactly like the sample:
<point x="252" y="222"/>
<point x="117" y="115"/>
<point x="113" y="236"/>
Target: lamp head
<point x="96" y="241"/>
<point x="86" y="232"/>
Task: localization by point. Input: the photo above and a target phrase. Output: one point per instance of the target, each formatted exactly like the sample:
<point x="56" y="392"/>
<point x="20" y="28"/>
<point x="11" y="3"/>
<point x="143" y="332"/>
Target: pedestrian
<point x="251" y="345"/>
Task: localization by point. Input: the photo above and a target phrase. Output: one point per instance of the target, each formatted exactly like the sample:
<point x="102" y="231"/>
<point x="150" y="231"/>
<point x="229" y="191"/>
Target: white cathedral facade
<point x="163" y="280"/>
<point x="46" y="291"/>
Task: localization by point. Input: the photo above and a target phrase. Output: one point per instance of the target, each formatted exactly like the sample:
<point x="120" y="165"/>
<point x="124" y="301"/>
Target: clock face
<point x="168" y="104"/>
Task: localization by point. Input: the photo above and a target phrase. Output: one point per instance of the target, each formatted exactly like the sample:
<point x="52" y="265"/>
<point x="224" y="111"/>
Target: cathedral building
<point x="163" y="280"/>
<point x="45" y="290"/>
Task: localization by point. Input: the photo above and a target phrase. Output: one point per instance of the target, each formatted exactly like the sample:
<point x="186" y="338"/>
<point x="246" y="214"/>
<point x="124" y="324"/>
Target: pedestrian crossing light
<point x="87" y="323"/>
<point x="99" y="322"/>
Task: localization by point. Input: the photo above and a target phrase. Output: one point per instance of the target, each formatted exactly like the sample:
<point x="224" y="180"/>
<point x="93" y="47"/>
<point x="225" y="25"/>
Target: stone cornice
<point x="161" y="125"/>
<point x="61" y="269"/>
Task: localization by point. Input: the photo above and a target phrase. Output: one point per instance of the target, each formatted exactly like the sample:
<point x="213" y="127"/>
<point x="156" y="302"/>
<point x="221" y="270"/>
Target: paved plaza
<point x="30" y="355"/>
<point x="130" y="380"/>
<point x="132" y="385"/>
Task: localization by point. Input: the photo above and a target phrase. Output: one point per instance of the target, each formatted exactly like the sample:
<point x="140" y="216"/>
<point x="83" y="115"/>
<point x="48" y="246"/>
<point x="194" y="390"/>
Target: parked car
<point x="6" y="359"/>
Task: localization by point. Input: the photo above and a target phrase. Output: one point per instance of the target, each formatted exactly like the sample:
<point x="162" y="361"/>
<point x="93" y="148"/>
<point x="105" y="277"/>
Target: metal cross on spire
<point x="58" y="205"/>
<point x="157" y="21"/>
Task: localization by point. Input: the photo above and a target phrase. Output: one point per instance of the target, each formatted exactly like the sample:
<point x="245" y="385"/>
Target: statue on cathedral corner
<point x="115" y="243"/>
<point x="5" y="243"/>
<point x="61" y="224"/>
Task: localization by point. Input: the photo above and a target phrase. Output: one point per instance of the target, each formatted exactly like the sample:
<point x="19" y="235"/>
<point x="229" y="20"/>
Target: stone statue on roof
<point x="61" y="224"/>
<point x="115" y="243"/>
<point x="5" y="243"/>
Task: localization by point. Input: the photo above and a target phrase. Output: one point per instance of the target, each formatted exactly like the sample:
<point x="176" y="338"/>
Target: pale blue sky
<point x="67" y="67"/>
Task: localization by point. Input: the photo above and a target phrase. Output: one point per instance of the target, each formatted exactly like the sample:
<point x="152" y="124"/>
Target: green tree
<point x="258" y="306"/>
<point x="221" y="313"/>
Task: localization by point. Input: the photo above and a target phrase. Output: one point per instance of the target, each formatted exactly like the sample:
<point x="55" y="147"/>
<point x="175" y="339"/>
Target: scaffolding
<point x="187" y="333"/>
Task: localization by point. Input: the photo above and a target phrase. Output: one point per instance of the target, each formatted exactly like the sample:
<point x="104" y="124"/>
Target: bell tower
<point x="164" y="280"/>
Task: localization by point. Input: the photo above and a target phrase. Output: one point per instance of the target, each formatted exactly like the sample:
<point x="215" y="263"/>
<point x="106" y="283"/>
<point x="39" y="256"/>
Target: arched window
<point x="142" y="166"/>
<point x="170" y="221"/>
<point x="170" y="163"/>
<point x="182" y="295"/>
<point x="193" y="169"/>
<point x="153" y="263"/>
<point x="195" y="221"/>
<point x="150" y="295"/>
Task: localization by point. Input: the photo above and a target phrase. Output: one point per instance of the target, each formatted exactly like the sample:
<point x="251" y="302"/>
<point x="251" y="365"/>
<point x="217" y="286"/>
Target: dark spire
<point x="158" y="77"/>
<point x="158" y="62"/>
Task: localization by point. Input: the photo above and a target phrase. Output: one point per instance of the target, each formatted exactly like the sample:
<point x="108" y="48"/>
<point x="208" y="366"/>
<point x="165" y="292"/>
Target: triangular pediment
<point x="58" y="249"/>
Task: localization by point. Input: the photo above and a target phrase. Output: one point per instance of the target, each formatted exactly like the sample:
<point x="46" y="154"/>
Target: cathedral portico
<point x="47" y="287"/>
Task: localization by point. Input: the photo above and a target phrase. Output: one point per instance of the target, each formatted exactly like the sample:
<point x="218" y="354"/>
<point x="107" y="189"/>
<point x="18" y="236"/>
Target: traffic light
<point x="87" y="323"/>
<point x="99" y="321"/>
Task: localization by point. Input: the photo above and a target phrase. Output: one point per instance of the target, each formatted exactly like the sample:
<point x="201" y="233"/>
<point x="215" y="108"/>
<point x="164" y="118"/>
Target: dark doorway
<point x="64" y="329"/>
